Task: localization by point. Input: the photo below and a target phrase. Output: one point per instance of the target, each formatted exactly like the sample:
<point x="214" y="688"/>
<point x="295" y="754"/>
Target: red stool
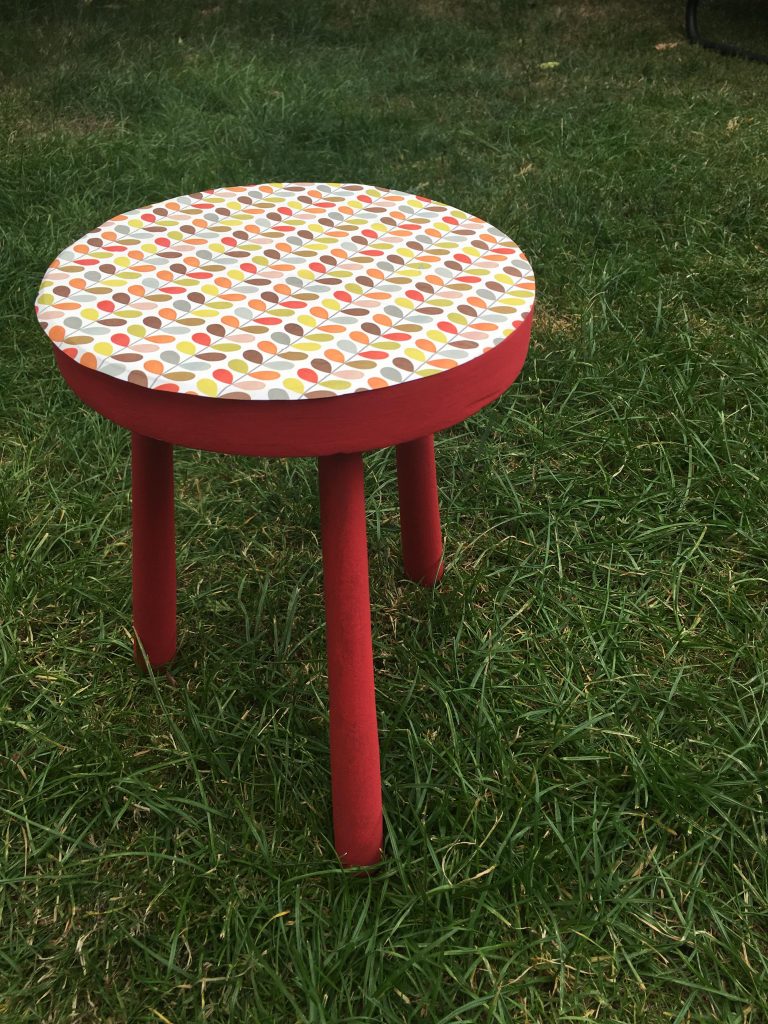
<point x="403" y="315"/>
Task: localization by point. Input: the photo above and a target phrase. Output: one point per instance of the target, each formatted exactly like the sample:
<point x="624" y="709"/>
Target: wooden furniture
<point x="293" y="319"/>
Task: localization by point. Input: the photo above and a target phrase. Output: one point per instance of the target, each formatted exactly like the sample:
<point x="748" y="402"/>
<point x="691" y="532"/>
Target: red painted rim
<point x="347" y="423"/>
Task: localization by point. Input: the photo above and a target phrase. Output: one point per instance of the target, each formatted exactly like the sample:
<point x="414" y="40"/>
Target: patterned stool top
<point x="285" y="290"/>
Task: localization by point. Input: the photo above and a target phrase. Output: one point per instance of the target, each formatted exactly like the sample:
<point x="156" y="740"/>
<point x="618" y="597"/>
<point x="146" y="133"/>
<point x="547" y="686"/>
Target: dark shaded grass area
<point x="573" y="722"/>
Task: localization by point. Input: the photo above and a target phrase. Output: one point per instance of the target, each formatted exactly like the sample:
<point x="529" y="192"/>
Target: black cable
<point x="692" y="31"/>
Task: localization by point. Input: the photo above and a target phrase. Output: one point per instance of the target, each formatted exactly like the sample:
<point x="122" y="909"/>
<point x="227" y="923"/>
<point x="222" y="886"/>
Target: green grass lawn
<point x="574" y="723"/>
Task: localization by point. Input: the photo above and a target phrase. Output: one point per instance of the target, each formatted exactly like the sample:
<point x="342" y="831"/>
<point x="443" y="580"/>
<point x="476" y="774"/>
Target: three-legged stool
<point x="216" y="319"/>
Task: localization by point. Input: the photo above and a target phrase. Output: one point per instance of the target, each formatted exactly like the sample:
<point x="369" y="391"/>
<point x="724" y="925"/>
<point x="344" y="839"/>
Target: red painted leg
<point x="154" y="549"/>
<point x="355" y="770"/>
<point x="419" y="511"/>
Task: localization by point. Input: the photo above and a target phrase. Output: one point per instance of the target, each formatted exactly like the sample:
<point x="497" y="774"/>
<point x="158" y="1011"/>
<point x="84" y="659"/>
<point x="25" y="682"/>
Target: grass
<point x="574" y="723"/>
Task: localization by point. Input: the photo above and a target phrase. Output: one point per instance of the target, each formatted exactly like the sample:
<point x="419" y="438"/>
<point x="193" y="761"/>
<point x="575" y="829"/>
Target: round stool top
<point x="285" y="291"/>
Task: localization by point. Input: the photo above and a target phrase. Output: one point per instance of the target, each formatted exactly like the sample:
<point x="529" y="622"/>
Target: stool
<point x="215" y="320"/>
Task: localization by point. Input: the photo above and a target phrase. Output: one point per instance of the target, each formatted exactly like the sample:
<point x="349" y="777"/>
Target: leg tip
<point x="360" y="847"/>
<point x="426" y="576"/>
<point x="362" y="862"/>
<point x="154" y="660"/>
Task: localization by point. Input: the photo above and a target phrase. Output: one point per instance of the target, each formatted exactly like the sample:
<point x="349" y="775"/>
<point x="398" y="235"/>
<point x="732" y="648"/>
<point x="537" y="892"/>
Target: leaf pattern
<point x="285" y="291"/>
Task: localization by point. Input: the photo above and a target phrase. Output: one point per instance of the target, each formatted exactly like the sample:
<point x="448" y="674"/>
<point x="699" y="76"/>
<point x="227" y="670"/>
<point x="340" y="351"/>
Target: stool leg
<point x="154" y="549"/>
<point x="419" y="511"/>
<point x="354" y="740"/>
